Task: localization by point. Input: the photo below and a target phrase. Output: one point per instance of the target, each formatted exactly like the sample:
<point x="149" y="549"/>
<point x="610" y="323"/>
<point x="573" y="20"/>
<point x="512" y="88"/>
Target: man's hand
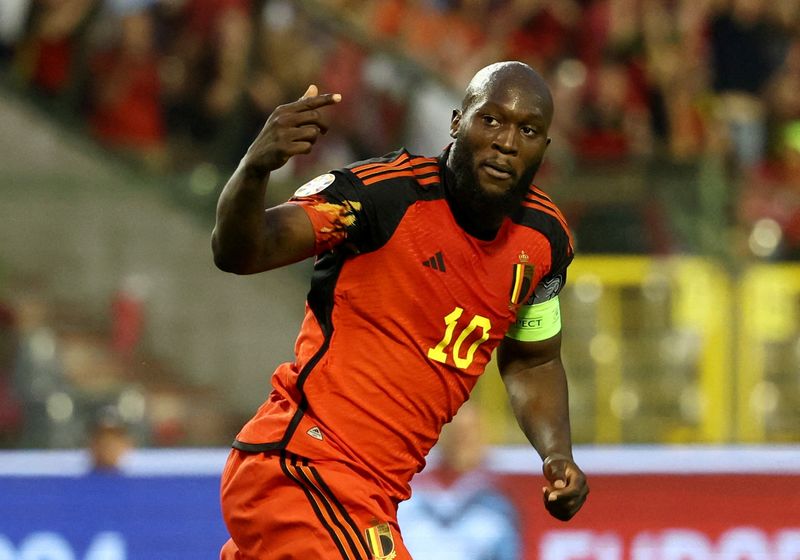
<point x="567" y="488"/>
<point x="290" y="130"/>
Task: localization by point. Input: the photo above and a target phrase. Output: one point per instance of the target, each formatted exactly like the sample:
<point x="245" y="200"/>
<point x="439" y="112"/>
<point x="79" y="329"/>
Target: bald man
<point x="424" y="265"/>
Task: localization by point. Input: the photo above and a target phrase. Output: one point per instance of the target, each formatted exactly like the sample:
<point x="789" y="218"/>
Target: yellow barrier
<point x="768" y="376"/>
<point x="659" y="348"/>
<point x="660" y="351"/>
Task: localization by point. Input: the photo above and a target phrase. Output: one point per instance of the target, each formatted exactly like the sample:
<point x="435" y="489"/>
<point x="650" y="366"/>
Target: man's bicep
<point x="290" y="236"/>
<point x="514" y="355"/>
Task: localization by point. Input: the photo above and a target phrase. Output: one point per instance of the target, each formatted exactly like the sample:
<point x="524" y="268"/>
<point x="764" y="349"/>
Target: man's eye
<point x="490" y="120"/>
<point x="528" y="131"/>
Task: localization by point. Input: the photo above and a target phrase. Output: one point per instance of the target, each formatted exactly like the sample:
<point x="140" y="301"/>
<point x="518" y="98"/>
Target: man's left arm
<point x="536" y="382"/>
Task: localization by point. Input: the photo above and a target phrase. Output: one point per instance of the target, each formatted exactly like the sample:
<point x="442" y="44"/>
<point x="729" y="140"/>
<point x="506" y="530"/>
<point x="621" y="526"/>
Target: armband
<point x="537" y="322"/>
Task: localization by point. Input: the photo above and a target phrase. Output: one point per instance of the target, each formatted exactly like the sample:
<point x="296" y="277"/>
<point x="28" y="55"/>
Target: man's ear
<point x="454" y="122"/>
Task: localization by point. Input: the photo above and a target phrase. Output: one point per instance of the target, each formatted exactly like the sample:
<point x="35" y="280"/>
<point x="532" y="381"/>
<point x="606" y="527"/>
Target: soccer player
<point x="424" y="266"/>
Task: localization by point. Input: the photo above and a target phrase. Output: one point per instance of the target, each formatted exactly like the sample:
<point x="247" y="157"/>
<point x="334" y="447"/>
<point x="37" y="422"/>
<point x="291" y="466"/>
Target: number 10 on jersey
<point x="439" y="352"/>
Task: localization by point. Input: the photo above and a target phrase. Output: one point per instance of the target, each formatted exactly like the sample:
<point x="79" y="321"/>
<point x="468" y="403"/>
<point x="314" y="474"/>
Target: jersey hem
<point x="257" y="447"/>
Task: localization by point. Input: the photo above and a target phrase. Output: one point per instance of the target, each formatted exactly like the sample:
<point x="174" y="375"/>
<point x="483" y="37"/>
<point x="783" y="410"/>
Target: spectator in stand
<point x="13" y="18"/>
<point x="207" y="49"/>
<point x="125" y="110"/>
<point x="385" y="19"/>
<point x="38" y="368"/>
<point x="614" y="120"/>
<point x="542" y="32"/>
<point x="608" y="28"/>
<point x="677" y="76"/>
<point x="771" y="199"/>
<point x="110" y="441"/>
<point x="49" y="54"/>
<point x="10" y="409"/>
<point x="740" y="35"/>
<point x="456" y="501"/>
<point x="289" y="55"/>
<point x="128" y="316"/>
<point x="782" y="93"/>
<point x="441" y="37"/>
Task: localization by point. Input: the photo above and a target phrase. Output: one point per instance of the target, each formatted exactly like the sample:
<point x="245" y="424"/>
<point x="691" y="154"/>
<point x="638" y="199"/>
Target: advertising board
<point x="645" y="504"/>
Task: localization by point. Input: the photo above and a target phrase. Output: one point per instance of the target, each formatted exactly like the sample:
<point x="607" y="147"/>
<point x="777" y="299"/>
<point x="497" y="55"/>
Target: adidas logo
<point x="315" y="432"/>
<point x="436" y="262"/>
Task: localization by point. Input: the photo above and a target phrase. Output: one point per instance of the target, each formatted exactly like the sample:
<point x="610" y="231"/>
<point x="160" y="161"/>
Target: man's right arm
<point x="247" y="238"/>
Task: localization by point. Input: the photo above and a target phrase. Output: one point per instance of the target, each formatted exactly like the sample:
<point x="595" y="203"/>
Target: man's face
<point x="500" y="140"/>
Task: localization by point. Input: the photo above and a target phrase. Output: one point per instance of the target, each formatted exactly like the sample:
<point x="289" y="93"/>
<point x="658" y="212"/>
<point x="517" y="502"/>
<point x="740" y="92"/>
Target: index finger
<point x="317" y="101"/>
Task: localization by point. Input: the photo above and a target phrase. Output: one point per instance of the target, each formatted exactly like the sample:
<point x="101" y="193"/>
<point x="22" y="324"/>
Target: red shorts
<point x="278" y="506"/>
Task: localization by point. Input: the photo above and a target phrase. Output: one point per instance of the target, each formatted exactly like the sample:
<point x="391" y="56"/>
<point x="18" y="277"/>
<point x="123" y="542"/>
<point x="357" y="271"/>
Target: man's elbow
<point x="227" y="260"/>
<point x="227" y="265"/>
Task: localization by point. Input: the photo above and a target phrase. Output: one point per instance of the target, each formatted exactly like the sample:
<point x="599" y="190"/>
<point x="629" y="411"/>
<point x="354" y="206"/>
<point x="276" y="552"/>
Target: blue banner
<point x="110" y="517"/>
<point x="164" y="504"/>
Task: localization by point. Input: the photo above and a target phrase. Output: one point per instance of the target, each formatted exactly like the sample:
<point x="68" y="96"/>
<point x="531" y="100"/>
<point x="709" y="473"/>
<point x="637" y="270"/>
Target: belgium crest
<point x="381" y="542"/>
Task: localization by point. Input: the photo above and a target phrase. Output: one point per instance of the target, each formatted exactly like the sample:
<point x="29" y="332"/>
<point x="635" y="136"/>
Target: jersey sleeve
<point x="551" y="284"/>
<point x="336" y="210"/>
<point x="539" y="212"/>
<point x="359" y="211"/>
<point x="539" y="317"/>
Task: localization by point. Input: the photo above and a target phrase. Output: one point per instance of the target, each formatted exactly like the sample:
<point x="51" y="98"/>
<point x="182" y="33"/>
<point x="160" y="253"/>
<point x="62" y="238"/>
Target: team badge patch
<point x="381" y="542"/>
<point x="315" y="185"/>
<point x="546" y="290"/>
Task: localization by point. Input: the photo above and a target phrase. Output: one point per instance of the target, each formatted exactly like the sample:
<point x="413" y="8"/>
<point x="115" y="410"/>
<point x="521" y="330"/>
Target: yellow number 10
<point x="438" y="352"/>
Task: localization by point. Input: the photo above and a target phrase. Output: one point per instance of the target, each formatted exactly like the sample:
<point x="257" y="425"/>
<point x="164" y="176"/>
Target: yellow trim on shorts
<point x="537" y="322"/>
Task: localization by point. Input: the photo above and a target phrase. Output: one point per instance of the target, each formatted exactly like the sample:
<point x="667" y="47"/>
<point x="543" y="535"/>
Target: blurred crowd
<point x="177" y="82"/>
<point x="182" y="85"/>
<point x="75" y="377"/>
<point x="630" y="76"/>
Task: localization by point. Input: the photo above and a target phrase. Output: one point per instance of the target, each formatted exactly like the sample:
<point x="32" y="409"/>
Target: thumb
<point x="312" y="91"/>
<point x="555" y="468"/>
<point x="557" y="485"/>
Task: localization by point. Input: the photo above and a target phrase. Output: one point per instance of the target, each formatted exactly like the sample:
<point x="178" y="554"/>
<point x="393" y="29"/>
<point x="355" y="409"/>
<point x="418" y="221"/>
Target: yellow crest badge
<point x="521" y="282"/>
<point x="381" y="542"/>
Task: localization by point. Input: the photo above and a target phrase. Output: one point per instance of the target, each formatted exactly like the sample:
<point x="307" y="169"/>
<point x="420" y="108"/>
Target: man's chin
<point x="495" y="190"/>
<point x="493" y="200"/>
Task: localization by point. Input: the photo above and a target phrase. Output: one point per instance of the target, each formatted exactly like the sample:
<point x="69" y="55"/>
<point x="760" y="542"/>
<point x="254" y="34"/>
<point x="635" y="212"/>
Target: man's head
<point x="109" y="440"/>
<point x="462" y="445"/>
<point x="500" y="136"/>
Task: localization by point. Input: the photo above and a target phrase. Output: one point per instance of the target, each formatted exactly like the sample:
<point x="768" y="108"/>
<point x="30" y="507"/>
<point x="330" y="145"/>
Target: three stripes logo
<point x="315" y="432"/>
<point x="436" y="262"/>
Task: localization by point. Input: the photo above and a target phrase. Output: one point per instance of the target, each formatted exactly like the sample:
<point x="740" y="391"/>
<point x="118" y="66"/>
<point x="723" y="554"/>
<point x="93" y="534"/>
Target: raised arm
<point x="537" y="388"/>
<point x="247" y="237"/>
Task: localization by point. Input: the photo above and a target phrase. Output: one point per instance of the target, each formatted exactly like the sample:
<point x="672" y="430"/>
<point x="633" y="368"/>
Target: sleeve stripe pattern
<point x="424" y="168"/>
<point x="361" y="169"/>
<point x="538" y="200"/>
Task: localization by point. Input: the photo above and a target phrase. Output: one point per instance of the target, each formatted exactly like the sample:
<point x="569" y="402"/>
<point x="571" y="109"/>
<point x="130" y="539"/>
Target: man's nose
<point x="506" y="140"/>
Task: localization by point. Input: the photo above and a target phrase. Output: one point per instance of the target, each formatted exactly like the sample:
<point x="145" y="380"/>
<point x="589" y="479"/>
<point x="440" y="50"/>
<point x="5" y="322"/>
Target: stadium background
<point x="675" y="156"/>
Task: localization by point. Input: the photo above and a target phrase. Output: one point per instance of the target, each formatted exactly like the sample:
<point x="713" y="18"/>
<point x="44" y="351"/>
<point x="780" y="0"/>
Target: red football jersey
<point x="404" y="311"/>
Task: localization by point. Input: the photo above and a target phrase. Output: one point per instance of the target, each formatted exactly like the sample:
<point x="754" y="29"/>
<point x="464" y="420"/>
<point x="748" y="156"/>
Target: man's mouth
<point x="497" y="170"/>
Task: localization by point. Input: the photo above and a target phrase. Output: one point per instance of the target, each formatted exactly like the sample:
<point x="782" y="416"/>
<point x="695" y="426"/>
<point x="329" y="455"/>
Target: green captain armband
<point x="537" y="322"/>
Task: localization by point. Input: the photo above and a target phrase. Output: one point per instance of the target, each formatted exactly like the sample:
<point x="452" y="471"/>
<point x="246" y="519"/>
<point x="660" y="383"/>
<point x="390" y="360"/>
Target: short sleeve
<point x="551" y="284"/>
<point x="335" y="209"/>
